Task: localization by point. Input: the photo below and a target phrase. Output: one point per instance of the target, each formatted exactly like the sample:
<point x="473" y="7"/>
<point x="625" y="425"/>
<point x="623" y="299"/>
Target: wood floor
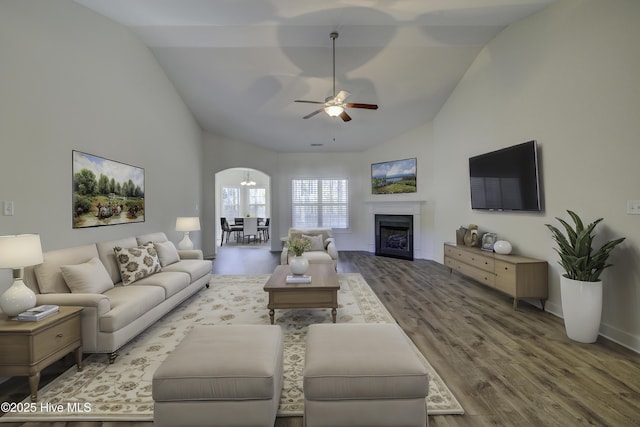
<point x="506" y="367"/>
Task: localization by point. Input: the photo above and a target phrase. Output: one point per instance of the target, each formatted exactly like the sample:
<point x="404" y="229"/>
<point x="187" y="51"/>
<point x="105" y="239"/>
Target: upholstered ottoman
<point x="221" y="376"/>
<point x="366" y="375"/>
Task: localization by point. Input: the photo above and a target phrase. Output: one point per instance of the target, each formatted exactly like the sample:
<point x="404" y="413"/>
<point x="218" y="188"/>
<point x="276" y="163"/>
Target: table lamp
<point x="187" y="224"/>
<point x="17" y="252"/>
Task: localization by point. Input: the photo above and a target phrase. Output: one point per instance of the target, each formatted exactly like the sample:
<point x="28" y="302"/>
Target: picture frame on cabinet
<point x="488" y="240"/>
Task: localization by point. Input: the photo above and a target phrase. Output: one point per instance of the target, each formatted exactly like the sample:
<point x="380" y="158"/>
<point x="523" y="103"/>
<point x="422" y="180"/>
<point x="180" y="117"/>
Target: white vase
<point x="299" y="264"/>
<point x="502" y="247"/>
<point x="17" y="299"/>
<point x="581" y="308"/>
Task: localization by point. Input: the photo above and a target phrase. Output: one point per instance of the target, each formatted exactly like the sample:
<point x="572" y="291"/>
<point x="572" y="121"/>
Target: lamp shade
<point x="20" y="251"/>
<point x="187" y="223"/>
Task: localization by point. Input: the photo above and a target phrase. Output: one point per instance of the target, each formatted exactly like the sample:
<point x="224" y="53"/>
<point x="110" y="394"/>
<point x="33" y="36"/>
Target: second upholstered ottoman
<point x="364" y="375"/>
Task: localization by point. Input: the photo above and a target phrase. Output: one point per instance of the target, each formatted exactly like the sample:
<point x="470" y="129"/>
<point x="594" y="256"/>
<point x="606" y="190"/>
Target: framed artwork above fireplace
<point x="397" y="176"/>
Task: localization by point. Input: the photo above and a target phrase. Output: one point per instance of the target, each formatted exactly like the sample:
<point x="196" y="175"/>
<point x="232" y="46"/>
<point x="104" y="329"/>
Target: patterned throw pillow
<point x="316" y="242"/>
<point x="136" y="263"/>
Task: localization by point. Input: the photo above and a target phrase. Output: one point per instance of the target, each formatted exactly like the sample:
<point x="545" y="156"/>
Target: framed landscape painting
<point x="398" y="176"/>
<point x="106" y="192"/>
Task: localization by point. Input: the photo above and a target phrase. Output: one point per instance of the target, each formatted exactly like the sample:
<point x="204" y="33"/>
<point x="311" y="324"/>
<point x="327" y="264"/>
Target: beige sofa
<point x="323" y="251"/>
<point x="90" y="276"/>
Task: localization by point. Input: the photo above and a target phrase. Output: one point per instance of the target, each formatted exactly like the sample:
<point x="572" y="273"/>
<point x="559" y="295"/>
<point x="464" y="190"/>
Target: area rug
<point x="122" y="391"/>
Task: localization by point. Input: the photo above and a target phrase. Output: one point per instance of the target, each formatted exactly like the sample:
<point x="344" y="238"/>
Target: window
<point x="258" y="202"/>
<point x="230" y="203"/>
<point x="320" y="202"/>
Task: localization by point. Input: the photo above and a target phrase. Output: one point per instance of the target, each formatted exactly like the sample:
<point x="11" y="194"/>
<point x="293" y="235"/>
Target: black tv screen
<point x="506" y="179"/>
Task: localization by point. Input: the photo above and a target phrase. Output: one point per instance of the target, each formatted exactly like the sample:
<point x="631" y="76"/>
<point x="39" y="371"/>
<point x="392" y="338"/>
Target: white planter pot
<point x="581" y="308"/>
<point x="299" y="265"/>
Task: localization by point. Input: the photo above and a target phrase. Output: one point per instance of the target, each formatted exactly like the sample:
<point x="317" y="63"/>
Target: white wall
<point x="73" y="80"/>
<point x="568" y="77"/>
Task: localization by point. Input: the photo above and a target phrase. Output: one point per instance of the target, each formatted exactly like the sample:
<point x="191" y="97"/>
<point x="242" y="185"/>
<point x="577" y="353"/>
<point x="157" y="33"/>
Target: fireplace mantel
<point x="396" y="207"/>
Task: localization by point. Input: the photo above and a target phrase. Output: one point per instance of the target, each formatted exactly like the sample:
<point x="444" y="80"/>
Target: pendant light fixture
<point x="247" y="180"/>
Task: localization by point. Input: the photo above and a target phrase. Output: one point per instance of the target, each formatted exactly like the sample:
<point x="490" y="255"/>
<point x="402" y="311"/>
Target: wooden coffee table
<point x="322" y="292"/>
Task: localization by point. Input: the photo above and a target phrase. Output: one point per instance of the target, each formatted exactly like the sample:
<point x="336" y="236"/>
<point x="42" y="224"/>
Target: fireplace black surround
<point x="394" y="236"/>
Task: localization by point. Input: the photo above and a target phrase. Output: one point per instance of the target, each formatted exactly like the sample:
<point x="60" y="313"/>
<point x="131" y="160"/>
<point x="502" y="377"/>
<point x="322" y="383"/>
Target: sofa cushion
<point x="48" y="273"/>
<point x="318" y="257"/>
<point x="167" y="253"/>
<point x="196" y="268"/>
<point x="136" y="263"/>
<point x="87" y="278"/>
<point x="298" y="232"/>
<point x="316" y="242"/>
<point x="108" y="256"/>
<point x="152" y="237"/>
<point x="129" y="303"/>
<point x="171" y="281"/>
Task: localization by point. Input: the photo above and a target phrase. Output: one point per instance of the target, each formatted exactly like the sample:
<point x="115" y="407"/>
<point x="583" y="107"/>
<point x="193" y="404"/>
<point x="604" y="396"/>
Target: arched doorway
<point x="241" y="192"/>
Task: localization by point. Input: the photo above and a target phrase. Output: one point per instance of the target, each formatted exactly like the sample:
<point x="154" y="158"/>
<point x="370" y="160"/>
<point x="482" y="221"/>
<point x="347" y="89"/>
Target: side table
<point x="28" y="347"/>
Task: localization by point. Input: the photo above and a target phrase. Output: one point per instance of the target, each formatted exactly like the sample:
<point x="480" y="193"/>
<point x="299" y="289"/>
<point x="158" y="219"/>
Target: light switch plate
<point x="633" y="207"/>
<point x="8" y="208"/>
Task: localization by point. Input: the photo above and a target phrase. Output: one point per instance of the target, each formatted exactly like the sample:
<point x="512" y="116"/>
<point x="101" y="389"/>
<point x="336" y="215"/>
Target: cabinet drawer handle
<point x="59" y="335"/>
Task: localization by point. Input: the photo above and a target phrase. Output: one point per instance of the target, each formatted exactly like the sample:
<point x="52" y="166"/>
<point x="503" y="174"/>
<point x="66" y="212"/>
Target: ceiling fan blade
<point x="314" y="113"/>
<point x="308" y="102"/>
<point x="345" y="117"/>
<point x="365" y="106"/>
<point x="341" y="96"/>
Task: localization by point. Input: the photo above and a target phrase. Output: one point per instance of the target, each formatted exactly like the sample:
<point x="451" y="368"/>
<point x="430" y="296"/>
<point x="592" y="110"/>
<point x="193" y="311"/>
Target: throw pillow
<point x="88" y="278"/>
<point x="167" y="253"/>
<point x="316" y="242"/>
<point x="136" y="263"/>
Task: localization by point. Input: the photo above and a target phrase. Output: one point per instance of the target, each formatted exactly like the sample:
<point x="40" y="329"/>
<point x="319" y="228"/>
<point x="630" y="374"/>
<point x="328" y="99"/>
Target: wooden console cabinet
<point x="517" y="276"/>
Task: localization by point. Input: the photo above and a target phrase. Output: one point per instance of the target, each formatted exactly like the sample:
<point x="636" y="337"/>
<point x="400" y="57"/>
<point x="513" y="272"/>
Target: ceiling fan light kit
<point x="334" y="110"/>
<point x="334" y="105"/>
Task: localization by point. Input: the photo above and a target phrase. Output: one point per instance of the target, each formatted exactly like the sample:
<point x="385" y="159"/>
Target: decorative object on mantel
<point x="299" y="264"/>
<point x="460" y="232"/>
<point x="502" y="247"/>
<point x="17" y="252"/>
<point x="187" y="224"/>
<point x="471" y="236"/>
<point x="488" y="240"/>
<point x="580" y="285"/>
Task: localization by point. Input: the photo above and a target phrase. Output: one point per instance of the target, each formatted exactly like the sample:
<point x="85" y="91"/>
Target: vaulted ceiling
<point x="240" y="64"/>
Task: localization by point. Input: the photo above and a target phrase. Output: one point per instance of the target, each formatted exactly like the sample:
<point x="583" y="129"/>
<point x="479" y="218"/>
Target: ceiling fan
<point x="335" y="106"/>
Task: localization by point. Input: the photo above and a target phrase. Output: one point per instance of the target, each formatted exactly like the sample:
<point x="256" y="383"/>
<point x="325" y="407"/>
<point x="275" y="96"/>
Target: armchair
<point x="323" y="248"/>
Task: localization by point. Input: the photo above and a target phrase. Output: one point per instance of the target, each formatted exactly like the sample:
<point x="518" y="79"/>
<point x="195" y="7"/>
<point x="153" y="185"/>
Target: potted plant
<point x="580" y="285"/>
<point x="298" y="263"/>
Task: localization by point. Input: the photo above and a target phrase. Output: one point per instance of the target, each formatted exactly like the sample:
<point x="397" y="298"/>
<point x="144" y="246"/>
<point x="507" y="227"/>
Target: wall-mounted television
<point x="506" y="179"/>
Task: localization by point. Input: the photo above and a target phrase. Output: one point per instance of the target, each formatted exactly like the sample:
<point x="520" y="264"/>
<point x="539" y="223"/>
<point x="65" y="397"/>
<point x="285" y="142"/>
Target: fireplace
<point x="394" y="236"/>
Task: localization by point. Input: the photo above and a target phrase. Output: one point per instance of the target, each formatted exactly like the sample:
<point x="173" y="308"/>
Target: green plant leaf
<point x="575" y="250"/>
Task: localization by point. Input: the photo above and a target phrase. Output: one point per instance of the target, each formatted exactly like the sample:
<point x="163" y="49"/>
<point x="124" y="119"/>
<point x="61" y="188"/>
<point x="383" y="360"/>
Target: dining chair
<point x="264" y="229"/>
<point x="250" y="228"/>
